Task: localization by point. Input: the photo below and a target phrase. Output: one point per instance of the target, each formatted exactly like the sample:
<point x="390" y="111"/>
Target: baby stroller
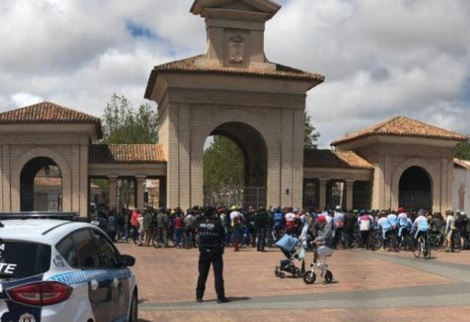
<point x="293" y="250"/>
<point x="319" y="264"/>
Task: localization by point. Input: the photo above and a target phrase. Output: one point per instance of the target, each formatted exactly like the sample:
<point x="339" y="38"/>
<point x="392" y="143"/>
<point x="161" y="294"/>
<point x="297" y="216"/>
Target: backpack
<point x="364" y="225"/>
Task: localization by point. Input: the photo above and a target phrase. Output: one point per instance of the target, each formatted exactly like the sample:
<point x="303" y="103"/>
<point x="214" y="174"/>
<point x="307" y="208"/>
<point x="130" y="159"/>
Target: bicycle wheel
<point x="432" y="239"/>
<point x="416" y="248"/>
<point x="427" y="250"/>
<point x="378" y="241"/>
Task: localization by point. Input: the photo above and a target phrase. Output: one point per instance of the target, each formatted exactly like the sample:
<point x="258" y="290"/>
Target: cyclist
<point x="385" y="227"/>
<point x="461" y="226"/>
<point x="420" y="226"/>
<point x="338" y="218"/>
<point x="365" y="223"/>
<point x="450" y="230"/>
<point x="402" y="220"/>
<point x="393" y="220"/>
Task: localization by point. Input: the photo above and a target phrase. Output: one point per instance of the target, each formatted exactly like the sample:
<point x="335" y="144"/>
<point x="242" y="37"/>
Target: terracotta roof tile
<point x="462" y="163"/>
<point x="334" y="159"/>
<point x="47" y="112"/>
<point x="126" y="153"/>
<point x="402" y="126"/>
<point x="47" y="181"/>
<point x="198" y="64"/>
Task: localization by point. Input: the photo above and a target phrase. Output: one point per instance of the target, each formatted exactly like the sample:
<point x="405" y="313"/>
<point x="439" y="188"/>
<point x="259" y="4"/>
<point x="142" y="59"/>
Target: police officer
<point x="211" y="248"/>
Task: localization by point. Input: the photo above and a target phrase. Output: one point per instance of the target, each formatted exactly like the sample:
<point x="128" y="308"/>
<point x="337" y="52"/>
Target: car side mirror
<point x="127" y="260"/>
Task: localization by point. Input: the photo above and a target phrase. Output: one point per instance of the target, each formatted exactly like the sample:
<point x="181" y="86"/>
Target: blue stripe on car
<point x="84" y="276"/>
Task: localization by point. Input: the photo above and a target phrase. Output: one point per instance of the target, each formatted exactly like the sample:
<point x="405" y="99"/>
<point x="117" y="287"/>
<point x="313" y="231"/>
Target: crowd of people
<point x="261" y="227"/>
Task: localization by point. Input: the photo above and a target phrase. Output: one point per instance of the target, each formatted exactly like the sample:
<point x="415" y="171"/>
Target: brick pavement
<point x="364" y="285"/>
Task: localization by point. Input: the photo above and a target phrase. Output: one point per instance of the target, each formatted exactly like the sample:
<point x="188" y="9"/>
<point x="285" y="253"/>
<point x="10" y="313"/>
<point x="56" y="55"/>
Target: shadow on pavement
<point x="236" y="299"/>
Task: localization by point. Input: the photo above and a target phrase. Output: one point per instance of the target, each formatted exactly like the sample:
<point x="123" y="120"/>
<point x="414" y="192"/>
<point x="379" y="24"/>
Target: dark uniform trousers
<point x="205" y="260"/>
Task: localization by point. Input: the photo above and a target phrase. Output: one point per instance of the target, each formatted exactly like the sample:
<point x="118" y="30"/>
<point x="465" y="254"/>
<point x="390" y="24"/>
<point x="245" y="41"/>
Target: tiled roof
<point x="126" y="153"/>
<point x="47" y="112"/>
<point x="402" y="126"/>
<point x="462" y="163"/>
<point x="334" y="159"/>
<point x="198" y="64"/>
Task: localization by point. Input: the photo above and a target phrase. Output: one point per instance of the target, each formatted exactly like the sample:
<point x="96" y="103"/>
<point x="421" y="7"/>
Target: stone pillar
<point x="84" y="183"/>
<point x="6" y="178"/>
<point x="140" y="191"/>
<point x="112" y="192"/>
<point x="322" y="184"/>
<point x="349" y="194"/>
<point x="162" y="192"/>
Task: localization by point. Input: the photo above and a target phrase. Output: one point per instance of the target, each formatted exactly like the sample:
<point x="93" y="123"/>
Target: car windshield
<point x="20" y="259"/>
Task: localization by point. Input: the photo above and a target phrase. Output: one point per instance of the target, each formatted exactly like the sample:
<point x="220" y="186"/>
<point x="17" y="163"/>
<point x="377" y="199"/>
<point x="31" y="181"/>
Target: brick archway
<point x="61" y="163"/>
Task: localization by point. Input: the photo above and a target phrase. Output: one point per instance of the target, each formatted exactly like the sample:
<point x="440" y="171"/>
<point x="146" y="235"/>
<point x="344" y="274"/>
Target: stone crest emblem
<point x="236" y="49"/>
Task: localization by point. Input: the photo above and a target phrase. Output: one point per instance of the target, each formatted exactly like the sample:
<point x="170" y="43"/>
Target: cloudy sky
<point x="381" y="58"/>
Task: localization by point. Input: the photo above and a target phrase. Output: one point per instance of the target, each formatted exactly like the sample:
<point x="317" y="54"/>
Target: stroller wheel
<point x="282" y="275"/>
<point x="328" y="277"/>
<point x="296" y="272"/>
<point x="276" y="273"/>
<point x="310" y="277"/>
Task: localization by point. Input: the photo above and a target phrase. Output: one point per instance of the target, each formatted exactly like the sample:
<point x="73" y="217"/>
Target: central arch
<point x="254" y="150"/>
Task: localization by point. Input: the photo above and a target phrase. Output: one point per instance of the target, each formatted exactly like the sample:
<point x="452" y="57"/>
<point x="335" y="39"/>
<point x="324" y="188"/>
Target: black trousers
<point x="205" y="260"/>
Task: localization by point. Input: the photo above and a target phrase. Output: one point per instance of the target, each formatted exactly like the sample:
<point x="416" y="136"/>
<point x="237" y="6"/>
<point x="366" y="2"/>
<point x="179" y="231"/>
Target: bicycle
<point x="393" y="241"/>
<point x="375" y="240"/>
<point x="406" y="241"/>
<point x="422" y="246"/>
<point x="436" y="240"/>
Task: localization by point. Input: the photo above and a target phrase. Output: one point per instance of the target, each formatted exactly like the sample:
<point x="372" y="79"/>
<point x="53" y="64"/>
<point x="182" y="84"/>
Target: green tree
<point x="125" y="124"/>
<point x="311" y="136"/>
<point x="223" y="170"/>
<point x="462" y="150"/>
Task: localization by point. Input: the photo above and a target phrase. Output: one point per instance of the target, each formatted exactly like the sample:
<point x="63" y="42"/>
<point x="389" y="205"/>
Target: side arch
<point x="402" y="167"/>
<point x="58" y="159"/>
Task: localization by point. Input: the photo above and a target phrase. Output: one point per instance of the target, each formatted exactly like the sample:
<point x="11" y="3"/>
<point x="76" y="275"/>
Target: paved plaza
<point x="368" y="286"/>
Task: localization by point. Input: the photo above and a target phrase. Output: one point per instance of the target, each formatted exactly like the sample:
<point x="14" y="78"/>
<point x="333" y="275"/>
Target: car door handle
<point x="94" y="285"/>
<point x="115" y="282"/>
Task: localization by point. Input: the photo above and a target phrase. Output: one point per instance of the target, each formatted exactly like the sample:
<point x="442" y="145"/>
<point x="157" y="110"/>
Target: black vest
<point x="210" y="234"/>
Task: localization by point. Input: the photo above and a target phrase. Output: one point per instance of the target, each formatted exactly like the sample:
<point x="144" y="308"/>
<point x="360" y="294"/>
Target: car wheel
<point x="134" y="311"/>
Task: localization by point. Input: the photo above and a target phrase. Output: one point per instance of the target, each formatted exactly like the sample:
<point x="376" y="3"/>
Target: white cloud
<point x="25" y="99"/>
<point x="380" y="58"/>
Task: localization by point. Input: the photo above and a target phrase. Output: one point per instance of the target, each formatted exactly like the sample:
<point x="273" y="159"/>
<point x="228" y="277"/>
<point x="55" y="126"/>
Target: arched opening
<point x="415" y="189"/>
<point x="41" y="185"/>
<point x="238" y="154"/>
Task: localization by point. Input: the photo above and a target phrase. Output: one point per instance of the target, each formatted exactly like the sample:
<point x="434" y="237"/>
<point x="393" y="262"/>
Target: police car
<point x="56" y="269"/>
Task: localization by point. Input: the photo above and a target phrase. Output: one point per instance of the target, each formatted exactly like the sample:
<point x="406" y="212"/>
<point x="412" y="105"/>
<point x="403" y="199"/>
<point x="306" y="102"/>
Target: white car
<point x="56" y="270"/>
